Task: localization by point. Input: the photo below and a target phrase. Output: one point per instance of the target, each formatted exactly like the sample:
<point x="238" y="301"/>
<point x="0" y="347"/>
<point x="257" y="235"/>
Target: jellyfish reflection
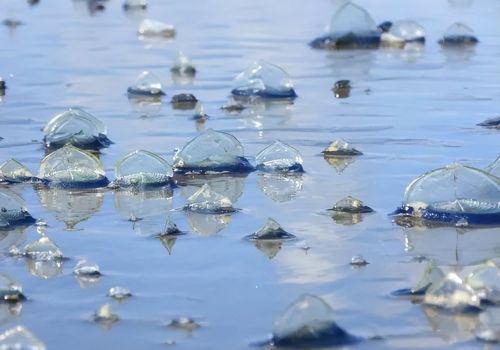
<point x="9" y="311"/>
<point x="207" y="224"/>
<point x="340" y="163"/>
<point x="70" y="207"/>
<point x="147" y="210"/>
<point x="229" y="186"/>
<point x="280" y="187"/>
<point x="452" y="327"/>
<point x="44" y="269"/>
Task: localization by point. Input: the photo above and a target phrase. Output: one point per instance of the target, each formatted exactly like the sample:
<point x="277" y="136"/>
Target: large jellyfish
<point x="310" y="322"/>
<point x="458" y="35"/>
<point x="13" y="213"/>
<point x="265" y="80"/>
<point x="212" y="152"/>
<point x="146" y="85"/>
<point x="77" y="127"/>
<point x="456" y="194"/>
<point x="403" y="32"/>
<point x="279" y="157"/>
<point x="70" y="167"/>
<point x="351" y="27"/>
<point x="142" y="169"/>
<point x="11" y="171"/>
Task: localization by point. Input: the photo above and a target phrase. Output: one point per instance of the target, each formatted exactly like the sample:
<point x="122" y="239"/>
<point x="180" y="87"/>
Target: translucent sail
<point x="142" y="168"/>
<point x="279" y="157"/>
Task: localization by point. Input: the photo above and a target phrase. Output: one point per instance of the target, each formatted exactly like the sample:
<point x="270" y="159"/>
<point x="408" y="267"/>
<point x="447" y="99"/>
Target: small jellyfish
<point x="142" y="169"/>
<point x="135" y="5"/>
<point x="342" y="88"/>
<point x="119" y="293"/>
<point x="452" y="294"/>
<point x="233" y="106"/>
<point x="206" y="200"/>
<point x="184" y="323"/>
<point x="199" y="113"/>
<point x="78" y="128"/>
<point x="351" y="205"/>
<point x="70" y="167"/>
<point x="146" y="85"/>
<point x="265" y="80"/>
<point x="485" y="280"/>
<point x="358" y="261"/>
<point x="340" y="148"/>
<point x="453" y="193"/>
<point x="432" y="274"/>
<point x="212" y="152"/>
<point x="491" y="123"/>
<point x="403" y="32"/>
<point x="270" y="231"/>
<point x="86" y="269"/>
<point x="310" y="322"/>
<point x="279" y="157"/>
<point x="19" y="338"/>
<point x="43" y="249"/>
<point x="12" y="23"/>
<point x="11" y="171"/>
<point x="12" y="211"/>
<point x="458" y="35"/>
<point x="10" y="290"/>
<point x="184" y="101"/>
<point x="150" y="28"/>
<point x="183" y="66"/>
<point x="351" y="27"/>
<point x="105" y="315"/>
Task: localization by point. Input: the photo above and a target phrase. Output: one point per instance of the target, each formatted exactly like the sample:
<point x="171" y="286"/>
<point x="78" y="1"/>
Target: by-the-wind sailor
<point x="492" y="123"/>
<point x="342" y="88"/>
<point x="146" y="84"/>
<point x="279" y="157"/>
<point x="212" y="152"/>
<point x="340" y="148"/>
<point x="351" y="205"/>
<point x="19" y="338"/>
<point x="119" y="293"/>
<point x="183" y="65"/>
<point x="149" y="27"/>
<point x="351" y="27"/>
<point x="270" y="231"/>
<point x="135" y="5"/>
<point x="458" y="35"/>
<point x="71" y="167"/>
<point x="85" y="268"/>
<point x="77" y="127"/>
<point x="142" y="169"/>
<point x="12" y="211"/>
<point x="485" y="280"/>
<point x="206" y="200"/>
<point x="263" y="79"/>
<point x="452" y="294"/>
<point x="310" y="322"/>
<point x="10" y="290"/>
<point x="43" y="249"/>
<point x="105" y="315"/>
<point x="453" y="194"/>
<point x="11" y="171"/>
<point x="184" y="101"/>
<point x="403" y="32"/>
<point x="432" y="274"/>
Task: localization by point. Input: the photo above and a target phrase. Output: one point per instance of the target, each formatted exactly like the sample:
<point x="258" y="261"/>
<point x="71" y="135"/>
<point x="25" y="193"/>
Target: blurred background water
<point x="408" y="111"/>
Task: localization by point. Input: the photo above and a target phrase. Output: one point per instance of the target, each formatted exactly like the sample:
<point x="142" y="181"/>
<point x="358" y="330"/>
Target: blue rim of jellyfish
<point x="332" y="336"/>
<point x="25" y="221"/>
<point x="458" y="40"/>
<point x="266" y="93"/>
<point x="294" y="169"/>
<point x="240" y="166"/>
<point x="98" y="183"/>
<point x="217" y="211"/>
<point x="134" y="92"/>
<point x="92" y="143"/>
<point x="118" y="184"/>
<point x="369" y="40"/>
<point x="437" y="216"/>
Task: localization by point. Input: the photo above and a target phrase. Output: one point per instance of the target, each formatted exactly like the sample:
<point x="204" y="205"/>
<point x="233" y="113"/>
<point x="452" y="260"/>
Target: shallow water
<point x="409" y="112"/>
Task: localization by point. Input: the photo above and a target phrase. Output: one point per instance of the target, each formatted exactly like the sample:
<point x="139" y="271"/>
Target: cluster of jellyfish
<point x="352" y="27"/>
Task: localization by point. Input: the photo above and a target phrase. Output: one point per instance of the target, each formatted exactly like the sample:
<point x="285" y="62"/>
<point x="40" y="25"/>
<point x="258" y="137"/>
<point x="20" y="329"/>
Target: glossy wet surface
<point x="408" y="112"/>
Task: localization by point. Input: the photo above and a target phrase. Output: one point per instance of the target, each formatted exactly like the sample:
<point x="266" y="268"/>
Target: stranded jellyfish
<point x="458" y="35"/>
<point x="150" y="28"/>
<point x="212" y="152"/>
<point x="351" y="27"/>
<point x="456" y="194"/>
<point x="183" y="66"/>
<point x="76" y="127"/>
<point x="11" y="171"/>
<point x="142" y="169"/>
<point x="12" y="211"/>
<point x="70" y="167"/>
<point x="270" y="231"/>
<point x="279" y="157"/>
<point x="146" y="85"/>
<point x="403" y="32"/>
<point x="265" y="80"/>
<point x="135" y="5"/>
<point x="340" y="148"/>
<point x="310" y="322"/>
